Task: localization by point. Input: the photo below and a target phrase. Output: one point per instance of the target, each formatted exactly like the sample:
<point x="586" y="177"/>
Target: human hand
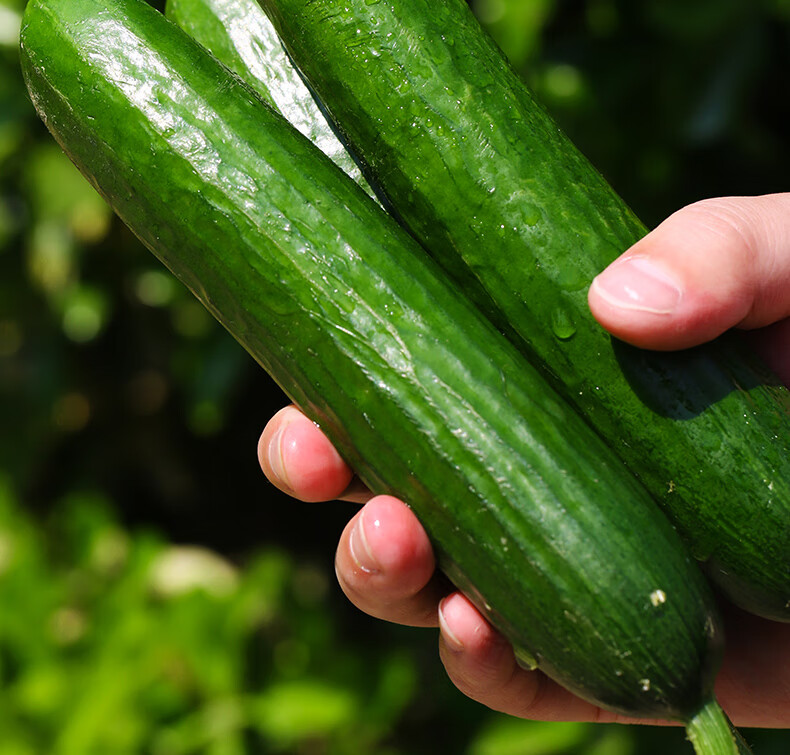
<point x="715" y="265"/>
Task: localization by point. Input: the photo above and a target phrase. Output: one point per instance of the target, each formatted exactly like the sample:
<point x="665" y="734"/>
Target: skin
<point x="712" y="266"/>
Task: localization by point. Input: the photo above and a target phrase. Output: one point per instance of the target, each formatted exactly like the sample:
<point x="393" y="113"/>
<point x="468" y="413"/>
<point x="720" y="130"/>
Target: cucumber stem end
<point x="712" y="733"/>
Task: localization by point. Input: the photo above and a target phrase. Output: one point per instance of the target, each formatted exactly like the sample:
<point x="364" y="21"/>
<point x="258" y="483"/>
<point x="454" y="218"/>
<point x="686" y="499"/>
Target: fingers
<point x="481" y="663"/>
<point x="711" y="266"/>
<point x="773" y="345"/>
<point x="754" y="682"/>
<point x="384" y="561"/>
<point x="752" y="687"/>
<point x="385" y="564"/>
<point x="299" y="460"/>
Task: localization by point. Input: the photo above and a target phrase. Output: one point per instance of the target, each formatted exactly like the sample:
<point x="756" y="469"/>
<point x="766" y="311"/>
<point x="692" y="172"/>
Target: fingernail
<point x="359" y="547"/>
<point x="452" y="642"/>
<point x="277" y="456"/>
<point x="639" y="284"/>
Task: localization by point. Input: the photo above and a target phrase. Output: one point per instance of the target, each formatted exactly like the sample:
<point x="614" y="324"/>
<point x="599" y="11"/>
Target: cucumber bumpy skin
<point x="239" y="34"/>
<point x="485" y="179"/>
<point x="557" y="544"/>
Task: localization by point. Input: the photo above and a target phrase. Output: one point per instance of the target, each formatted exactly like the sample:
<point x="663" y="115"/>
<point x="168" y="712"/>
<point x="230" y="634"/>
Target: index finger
<point x="298" y="458"/>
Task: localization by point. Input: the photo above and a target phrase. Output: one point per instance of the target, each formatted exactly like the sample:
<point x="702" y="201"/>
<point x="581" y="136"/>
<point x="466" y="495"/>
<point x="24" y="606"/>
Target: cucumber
<point x="484" y="178"/>
<point x="555" y="541"/>
<point x="239" y="34"/>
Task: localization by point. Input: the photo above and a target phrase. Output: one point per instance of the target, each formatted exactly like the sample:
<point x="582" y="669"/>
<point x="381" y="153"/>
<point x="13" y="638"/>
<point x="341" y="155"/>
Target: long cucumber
<point x="239" y="34"/>
<point x="556" y="542"/>
<point x="485" y="179"/>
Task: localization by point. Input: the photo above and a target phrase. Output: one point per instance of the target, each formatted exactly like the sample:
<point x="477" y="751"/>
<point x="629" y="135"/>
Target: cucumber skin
<point x="484" y="178"/>
<point x="239" y="34"/>
<point x="335" y="300"/>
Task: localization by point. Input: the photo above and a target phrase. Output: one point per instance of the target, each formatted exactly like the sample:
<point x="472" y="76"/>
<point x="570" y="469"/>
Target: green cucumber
<point x="484" y="178"/>
<point x="555" y="541"/>
<point x="239" y="34"/>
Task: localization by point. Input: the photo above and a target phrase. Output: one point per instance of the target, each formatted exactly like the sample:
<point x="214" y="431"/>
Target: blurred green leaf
<point x="516" y="25"/>
<point x="51" y="257"/>
<point x="615" y="740"/>
<point x="85" y="310"/>
<point x="304" y="709"/>
<point x="509" y="736"/>
<point x="59" y="193"/>
<point x="10" y="23"/>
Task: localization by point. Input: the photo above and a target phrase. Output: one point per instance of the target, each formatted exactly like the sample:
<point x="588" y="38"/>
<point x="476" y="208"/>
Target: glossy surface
<point x="239" y="35"/>
<point x="425" y="399"/>
<point x="492" y="188"/>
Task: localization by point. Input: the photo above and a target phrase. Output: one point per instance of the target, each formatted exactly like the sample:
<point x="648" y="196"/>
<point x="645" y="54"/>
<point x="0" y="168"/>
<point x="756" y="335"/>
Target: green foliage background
<point x="156" y="595"/>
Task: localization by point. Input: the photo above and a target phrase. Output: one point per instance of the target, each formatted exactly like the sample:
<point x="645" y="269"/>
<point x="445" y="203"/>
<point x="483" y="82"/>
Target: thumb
<point x="714" y="265"/>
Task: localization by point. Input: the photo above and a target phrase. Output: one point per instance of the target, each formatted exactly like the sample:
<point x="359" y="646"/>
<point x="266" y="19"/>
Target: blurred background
<point x="156" y="594"/>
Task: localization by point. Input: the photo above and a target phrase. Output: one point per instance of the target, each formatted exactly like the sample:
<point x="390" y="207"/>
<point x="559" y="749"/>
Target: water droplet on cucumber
<point x="525" y="659"/>
<point x="530" y="214"/>
<point x="562" y="324"/>
<point x="571" y="278"/>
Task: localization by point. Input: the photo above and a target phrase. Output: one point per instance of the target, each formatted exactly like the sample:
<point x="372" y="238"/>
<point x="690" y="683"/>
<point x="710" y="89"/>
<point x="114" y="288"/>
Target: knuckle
<point x="730" y="219"/>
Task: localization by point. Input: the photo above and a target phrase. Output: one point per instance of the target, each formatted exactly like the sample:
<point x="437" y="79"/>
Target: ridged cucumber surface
<point x="485" y="179"/>
<point x="239" y="34"/>
<point x="531" y="514"/>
